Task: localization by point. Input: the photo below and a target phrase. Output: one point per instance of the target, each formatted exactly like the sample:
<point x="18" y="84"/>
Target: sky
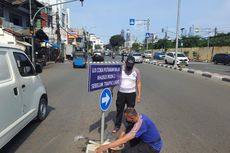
<point x="106" y="18"/>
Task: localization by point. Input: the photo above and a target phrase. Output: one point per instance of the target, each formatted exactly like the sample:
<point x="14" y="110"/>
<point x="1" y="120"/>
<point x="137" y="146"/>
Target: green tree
<point x="220" y="39"/>
<point x="136" y="47"/>
<point x="116" y="41"/>
<point x="97" y="47"/>
<point x="108" y="46"/>
<point x="164" y="43"/>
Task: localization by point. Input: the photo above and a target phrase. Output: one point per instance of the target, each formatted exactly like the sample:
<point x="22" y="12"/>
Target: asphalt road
<point x="209" y="67"/>
<point x="191" y="112"/>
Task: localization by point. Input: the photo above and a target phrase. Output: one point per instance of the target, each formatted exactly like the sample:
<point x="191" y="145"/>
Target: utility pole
<point x="32" y="33"/>
<point x="148" y="24"/>
<point x="165" y="40"/>
<point x="152" y="41"/>
<point x="58" y="34"/>
<point x="165" y="31"/>
<point x="177" y="31"/>
<point x="215" y="33"/>
<point x="181" y="36"/>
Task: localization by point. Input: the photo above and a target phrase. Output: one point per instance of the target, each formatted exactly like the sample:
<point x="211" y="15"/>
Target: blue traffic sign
<point x="105" y="99"/>
<point x="147" y="35"/>
<point x="131" y="21"/>
<point x="103" y="76"/>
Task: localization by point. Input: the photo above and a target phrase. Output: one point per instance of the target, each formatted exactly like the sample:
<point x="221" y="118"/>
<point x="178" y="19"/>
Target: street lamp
<point x="32" y="20"/>
<point x="177" y="31"/>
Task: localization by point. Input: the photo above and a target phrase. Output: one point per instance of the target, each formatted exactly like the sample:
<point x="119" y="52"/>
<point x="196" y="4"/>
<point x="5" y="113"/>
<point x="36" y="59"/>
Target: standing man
<point x="129" y="90"/>
<point x="144" y="136"/>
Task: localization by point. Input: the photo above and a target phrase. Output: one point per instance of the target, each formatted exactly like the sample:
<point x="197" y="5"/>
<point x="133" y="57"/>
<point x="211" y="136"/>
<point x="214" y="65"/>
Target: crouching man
<point x="143" y="136"/>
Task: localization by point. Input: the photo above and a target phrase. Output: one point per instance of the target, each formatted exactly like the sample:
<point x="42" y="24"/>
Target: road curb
<point x="209" y="75"/>
<point x="226" y="79"/>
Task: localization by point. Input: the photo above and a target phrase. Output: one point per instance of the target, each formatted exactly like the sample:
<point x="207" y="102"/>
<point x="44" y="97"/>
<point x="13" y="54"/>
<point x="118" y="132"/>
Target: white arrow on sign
<point x="105" y="99"/>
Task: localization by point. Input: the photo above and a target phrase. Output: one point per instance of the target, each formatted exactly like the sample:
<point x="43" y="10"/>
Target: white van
<point x="23" y="96"/>
<point x="181" y="58"/>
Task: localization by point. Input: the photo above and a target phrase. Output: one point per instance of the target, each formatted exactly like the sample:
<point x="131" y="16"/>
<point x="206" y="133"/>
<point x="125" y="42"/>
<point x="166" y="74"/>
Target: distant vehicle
<point x="41" y="57"/>
<point x="113" y="55"/>
<point x="221" y="58"/>
<point x="23" y="95"/>
<point x="138" y="57"/>
<point x="79" y="59"/>
<point x="159" y="55"/>
<point x="69" y="51"/>
<point x="181" y="58"/>
<point x="106" y="53"/>
<point x="98" y="56"/>
<point x="125" y="54"/>
<point x="148" y="54"/>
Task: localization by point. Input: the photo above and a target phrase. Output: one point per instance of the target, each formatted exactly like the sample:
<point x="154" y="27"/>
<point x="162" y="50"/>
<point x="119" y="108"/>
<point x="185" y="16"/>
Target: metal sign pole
<point x="102" y="126"/>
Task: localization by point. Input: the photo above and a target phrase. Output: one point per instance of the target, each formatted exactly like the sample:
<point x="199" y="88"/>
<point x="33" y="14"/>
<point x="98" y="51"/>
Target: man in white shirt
<point x="129" y="90"/>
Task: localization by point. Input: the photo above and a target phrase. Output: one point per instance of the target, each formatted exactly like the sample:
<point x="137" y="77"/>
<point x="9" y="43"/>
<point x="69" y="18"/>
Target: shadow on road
<point x="18" y="140"/>
<point x="111" y="116"/>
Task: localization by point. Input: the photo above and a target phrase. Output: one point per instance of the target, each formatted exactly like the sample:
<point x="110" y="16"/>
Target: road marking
<point x="105" y="62"/>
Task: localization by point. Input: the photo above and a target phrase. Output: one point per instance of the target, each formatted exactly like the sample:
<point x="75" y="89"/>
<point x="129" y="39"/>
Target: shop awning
<point x="41" y="35"/>
<point x="56" y="45"/>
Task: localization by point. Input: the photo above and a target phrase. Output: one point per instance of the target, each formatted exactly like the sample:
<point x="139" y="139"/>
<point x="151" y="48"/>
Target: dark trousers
<point x="139" y="147"/>
<point x="123" y="99"/>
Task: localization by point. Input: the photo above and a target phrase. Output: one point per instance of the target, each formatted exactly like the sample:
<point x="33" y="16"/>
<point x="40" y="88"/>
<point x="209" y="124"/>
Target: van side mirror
<point x="38" y="68"/>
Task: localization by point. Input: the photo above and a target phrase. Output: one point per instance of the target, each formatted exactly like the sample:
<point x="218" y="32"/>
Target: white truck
<point x="69" y="52"/>
<point x="23" y="96"/>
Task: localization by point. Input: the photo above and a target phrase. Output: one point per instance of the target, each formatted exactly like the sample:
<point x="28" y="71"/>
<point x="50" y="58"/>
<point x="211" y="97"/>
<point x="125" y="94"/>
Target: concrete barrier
<point x="215" y="76"/>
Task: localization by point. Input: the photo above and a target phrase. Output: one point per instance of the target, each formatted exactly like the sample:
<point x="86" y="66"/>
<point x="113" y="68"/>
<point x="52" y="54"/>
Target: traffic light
<point x="81" y="2"/>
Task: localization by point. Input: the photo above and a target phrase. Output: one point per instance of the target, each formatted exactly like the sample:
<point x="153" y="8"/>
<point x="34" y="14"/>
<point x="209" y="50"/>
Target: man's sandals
<point x="115" y="130"/>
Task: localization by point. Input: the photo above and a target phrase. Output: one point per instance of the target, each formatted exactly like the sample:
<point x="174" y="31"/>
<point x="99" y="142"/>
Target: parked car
<point x="138" y="57"/>
<point x="98" y="56"/>
<point x="148" y="54"/>
<point x="221" y="58"/>
<point x="181" y="58"/>
<point x="159" y="55"/>
<point x="23" y="95"/>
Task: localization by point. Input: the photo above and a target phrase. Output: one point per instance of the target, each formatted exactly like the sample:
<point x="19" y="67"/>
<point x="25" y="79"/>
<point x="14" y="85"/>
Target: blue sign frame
<point x="131" y="21"/>
<point x="147" y="35"/>
<point x="105" y="99"/>
<point x="103" y="76"/>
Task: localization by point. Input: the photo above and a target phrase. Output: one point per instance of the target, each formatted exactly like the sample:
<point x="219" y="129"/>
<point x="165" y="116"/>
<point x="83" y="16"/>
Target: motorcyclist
<point x="113" y="55"/>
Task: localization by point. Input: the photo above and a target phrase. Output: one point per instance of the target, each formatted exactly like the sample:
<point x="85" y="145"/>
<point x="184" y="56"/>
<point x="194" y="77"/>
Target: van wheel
<point x="166" y="62"/>
<point x="42" y="109"/>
